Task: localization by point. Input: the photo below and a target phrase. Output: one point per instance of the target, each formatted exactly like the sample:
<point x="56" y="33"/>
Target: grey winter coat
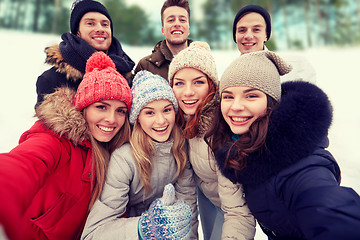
<point x="239" y="223"/>
<point x="123" y="193"/>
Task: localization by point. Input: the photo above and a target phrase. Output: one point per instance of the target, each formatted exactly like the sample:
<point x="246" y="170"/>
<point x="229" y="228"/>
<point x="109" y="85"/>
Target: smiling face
<point x="241" y="106"/>
<point x="176" y="27"/>
<point x="95" y="29"/>
<point x="105" y="118"/>
<point x="157" y="119"/>
<point x="191" y="88"/>
<point x="251" y="33"/>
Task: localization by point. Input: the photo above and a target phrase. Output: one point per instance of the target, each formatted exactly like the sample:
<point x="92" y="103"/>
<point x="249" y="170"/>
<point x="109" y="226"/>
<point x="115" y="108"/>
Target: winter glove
<point x="167" y="218"/>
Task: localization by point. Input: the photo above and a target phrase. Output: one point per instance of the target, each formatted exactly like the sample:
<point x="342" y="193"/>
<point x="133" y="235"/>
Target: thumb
<point x="168" y="197"/>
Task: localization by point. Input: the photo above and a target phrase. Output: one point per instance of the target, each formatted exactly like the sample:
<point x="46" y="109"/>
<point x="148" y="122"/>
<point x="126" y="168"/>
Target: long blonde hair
<point x="143" y="149"/>
<point x="101" y="152"/>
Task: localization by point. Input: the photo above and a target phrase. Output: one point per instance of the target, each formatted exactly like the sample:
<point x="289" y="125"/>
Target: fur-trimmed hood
<point x="207" y="114"/>
<point x="58" y="113"/>
<point x="54" y="58"/>
<point x="297" y="128"/>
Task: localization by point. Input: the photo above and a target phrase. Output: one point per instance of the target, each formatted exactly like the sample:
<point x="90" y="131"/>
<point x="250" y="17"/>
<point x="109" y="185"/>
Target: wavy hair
<point x="220" y="134"/>
<point x="191" y="126"/>
<point x="101" y="152"/>
<point x="143" y="149"/>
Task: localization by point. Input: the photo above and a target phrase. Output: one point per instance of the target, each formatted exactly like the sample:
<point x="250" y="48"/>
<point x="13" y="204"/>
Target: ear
<point x="78" y="34"/>
<point x="162" y="31"/>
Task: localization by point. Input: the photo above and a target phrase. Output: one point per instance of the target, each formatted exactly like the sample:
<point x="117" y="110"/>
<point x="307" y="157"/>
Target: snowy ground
<point x="337" y="71"/>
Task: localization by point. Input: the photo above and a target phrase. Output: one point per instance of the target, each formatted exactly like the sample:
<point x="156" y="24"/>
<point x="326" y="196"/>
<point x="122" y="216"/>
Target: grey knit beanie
<point x="197" y="56"/>
<point x="260" y="70"/>
<point x="148" y="87"/>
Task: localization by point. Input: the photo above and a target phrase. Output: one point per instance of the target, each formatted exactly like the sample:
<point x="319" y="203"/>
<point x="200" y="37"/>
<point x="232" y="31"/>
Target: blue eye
<point x="199" y="82"/>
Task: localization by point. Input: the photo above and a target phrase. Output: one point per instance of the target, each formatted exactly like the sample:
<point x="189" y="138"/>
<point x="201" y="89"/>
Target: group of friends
<point x="142" y="152"/>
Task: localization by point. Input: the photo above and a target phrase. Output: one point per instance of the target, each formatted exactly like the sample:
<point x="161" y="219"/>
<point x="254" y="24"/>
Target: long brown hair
<point x="220" y="134"/>
<point x="191" y="126"/>
<point x="143" y="149"/>
<point x="101" y="152"/>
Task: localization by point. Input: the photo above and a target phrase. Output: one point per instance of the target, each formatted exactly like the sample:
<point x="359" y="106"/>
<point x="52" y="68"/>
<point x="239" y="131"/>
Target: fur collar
<point x="297" y="128"/>
<point x="54" y="58"/>
<point x="59" y="114"/>
<point x="207" y="114"/>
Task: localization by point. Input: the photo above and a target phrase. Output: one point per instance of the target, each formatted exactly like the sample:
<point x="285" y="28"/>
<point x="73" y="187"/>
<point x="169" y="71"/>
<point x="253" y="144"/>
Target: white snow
<point x="337" y="73"/>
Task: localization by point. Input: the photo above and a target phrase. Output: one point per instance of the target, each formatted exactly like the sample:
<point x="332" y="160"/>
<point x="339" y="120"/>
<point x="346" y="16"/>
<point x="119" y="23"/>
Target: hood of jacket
<point x="59" y="114"/>
<point x="54" y="58"/>
<point x="297" y="128"/>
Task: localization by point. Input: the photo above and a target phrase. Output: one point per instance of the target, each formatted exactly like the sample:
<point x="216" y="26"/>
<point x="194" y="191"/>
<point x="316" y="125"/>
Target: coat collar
<point x="54" y="58"/>
<point x="59" y="114"/>
<point x="297" y="128"/>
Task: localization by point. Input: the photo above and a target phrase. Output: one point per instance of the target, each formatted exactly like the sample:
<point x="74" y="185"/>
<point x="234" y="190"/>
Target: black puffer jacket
<point x="292" y="185"/>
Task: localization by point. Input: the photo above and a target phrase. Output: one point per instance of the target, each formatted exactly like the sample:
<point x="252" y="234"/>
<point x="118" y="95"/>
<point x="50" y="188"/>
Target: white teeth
<point x="160" y="129"/>
<point x="106" y="129"/>
<point x="248" y="44"/>
<point x="239" y="119"/>
<point x="177" y="32"/>
<point x="189" y="101"/>
<point x="99" y="38"/>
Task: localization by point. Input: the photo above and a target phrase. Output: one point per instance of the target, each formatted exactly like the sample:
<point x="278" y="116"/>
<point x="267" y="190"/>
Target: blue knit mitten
<point x="167" y="218"/>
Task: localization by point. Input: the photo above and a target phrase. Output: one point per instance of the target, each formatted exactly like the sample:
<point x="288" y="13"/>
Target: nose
<point x="110" y="117"/>
<point x="99" y="27"/>
<point x="160" y="119"/>
<point x="238" y="105"/>
<point x="248" y="34"/>
<point x="188" y="90"/>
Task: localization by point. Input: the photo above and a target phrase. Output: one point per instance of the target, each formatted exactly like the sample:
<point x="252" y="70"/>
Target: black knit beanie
<point x="256" y="9"/>
<point x="80" y="8"/>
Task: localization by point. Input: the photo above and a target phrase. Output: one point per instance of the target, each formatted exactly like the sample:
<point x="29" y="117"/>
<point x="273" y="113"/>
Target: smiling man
<point x="251" y="28"/>
<point x="175" y="19"/>
<point x="91" y="30"/>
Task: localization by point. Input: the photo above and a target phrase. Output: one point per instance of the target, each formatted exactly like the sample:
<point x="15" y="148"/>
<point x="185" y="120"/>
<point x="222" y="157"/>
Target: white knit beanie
<point x="148" y="87"/>
<point x="260" y="70"/>
<point x="197" y="56"/>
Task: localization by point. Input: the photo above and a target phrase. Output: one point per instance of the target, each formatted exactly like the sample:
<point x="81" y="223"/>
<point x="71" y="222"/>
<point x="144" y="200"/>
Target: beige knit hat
<point x="197" y="56"/>
<point x="260" y="70"/>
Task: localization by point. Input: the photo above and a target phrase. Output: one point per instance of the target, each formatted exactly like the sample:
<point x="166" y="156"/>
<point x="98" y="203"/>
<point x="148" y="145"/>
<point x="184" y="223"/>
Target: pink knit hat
<point x="102" y="82"/>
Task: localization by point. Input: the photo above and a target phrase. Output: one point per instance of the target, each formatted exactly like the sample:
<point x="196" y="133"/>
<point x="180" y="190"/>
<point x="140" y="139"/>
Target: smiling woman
<point x="139" y="171"/>
<point x="50" y="191"/>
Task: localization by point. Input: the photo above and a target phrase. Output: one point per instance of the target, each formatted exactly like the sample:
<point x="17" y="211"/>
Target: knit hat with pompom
<point x="102" y="82"/>
<point x="197" y="56"/>
<point x="260" y="70"/>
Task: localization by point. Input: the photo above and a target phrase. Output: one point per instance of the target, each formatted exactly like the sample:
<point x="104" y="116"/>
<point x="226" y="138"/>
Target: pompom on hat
<point x="80" y="7"/>
<point x="250" y="9"/>
<point x="148" y="87"/>
<point x="197" y="56"/>
<point x="260" y="70"/>
<point x="102" y="82"/>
